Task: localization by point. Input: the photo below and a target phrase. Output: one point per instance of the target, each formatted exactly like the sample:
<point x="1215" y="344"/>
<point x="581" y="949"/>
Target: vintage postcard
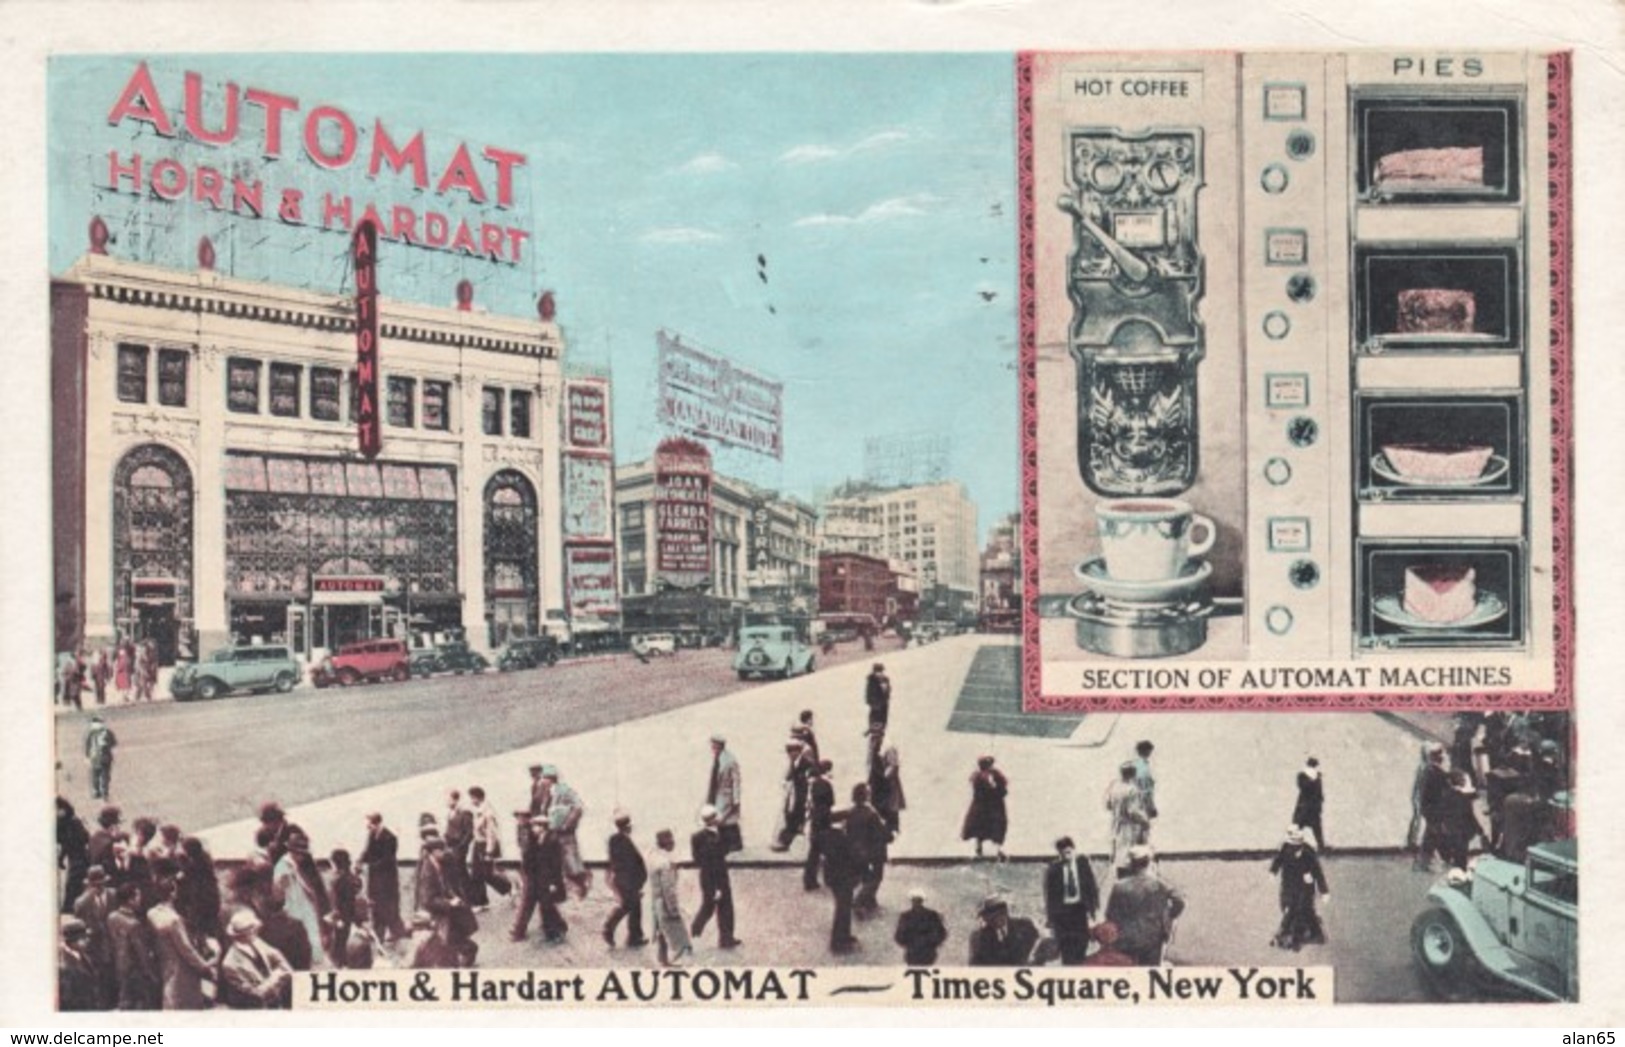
<point x="557" y="531"/>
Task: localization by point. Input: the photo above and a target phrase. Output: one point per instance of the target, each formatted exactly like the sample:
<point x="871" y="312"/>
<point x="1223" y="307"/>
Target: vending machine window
<point x="1444" y="150"/>
<point x="1431" y="299"/>
<point x="1444" y="594"/>
<point x="1440" y="447"/>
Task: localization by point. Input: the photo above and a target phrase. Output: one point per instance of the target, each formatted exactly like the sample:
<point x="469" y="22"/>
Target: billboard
<point x="586" y="417"/>
<point x="587" y="497"/>
<point x="589" y="580"/>
<point x="682" y="512"/>
<point x="707" y="395"/>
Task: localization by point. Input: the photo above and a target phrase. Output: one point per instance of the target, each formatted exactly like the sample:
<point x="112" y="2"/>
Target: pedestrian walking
<point x="1001" y="940"/>
<point x="724" y="792"/>
<point x="1144" y="779"/>
<point x="344" y="890"/>
<point x="1432" y="792"/>
<point x="920" y="931"/>
<point x="1071" y="900"/>
<point x="843" y="873"/>
<point x="886" y="779"/>
<point x="987" y="821"/>
<point x="72" y="853"/>
<point x="870" y="842"/>
<point x="380" y="859"/>
<point x="820" y="816"/>
<point x="627" y="875"/>
<point x="710" y="853"/>
<point x="64" y="677"/>
<point x="541" y="791"/>
<point x="455" y="924"/>
<point x="101" y="672"/>
<point x="538" y="886"/>
<point x="564" y="817"/>
<point x="74" y="692"/>
<point x="483" y="876"/>
<point x="1301" y="876"/>
<point x="665" y="904"/>
<point x="123" y="668"/>
<point x="1144" y="908"/>
<point x="139" y="676"/>
<point x="100" y="741"/>
<point x="1130" y="825"/>
<point x="877" y="695"/>
<point x="459" y="837"/>
<point x="1460" y="820"/>
<point x="802" y="731"/>
<point x="798" y="775"/>
<point x="1311" y="803"/>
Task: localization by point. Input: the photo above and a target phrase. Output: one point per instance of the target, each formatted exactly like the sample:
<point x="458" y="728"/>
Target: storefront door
<point x="299" y="630"/>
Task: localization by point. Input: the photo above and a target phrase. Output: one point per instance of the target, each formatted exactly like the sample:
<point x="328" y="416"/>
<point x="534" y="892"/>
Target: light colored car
<point x="236" y="669"/>
<point x="648" y="644"/>
<point x="1508" y="927"/>
<point x="771" y="650"/>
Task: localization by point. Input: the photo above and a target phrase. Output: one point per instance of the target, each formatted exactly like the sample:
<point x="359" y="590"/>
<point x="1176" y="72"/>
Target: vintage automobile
<point x="771" y="650"/>
<point x="365" y="661"/>
<point x="528" y="653"/>
<point x="1506" y="928"/>
<point x="649" y="644"/>
<point x="454" y="656"/>
<point x="248" y="668"/>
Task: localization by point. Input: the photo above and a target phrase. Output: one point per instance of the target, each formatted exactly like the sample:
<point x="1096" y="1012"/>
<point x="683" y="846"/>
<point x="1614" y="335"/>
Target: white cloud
<point x="707" y="163"/>
<point x="680" y="234"/>
<point x="811" y="153"/>
<point x="909" y="206"/>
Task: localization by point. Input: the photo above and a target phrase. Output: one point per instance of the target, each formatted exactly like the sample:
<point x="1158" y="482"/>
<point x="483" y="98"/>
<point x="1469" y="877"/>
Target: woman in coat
<point x="987" y="821"/>
<point x="665" y="908"/>
<point x="1306" y="813"/>
<point x="303" y="896"/>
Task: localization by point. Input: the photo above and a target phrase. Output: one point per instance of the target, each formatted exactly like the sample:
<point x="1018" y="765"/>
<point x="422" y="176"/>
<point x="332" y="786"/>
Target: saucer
<point x="1391" y="609"/>
<point x="1160" y="590"/>
<point x="1493" y="470"/>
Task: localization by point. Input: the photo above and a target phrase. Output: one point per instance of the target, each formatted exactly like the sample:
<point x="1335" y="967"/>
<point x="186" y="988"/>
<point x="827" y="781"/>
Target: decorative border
<point x="1560" y="199"/>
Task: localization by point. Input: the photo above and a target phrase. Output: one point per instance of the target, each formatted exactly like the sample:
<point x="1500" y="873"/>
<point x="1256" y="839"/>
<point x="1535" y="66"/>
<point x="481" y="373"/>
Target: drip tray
<point x="1122" y="629"/>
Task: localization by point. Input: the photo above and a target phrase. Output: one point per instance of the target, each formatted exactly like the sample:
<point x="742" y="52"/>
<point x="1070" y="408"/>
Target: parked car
<point x="452" y="657"/>
<point x="648" y="644"/>
<point x="1508" y="927"/>
<point x="528" y="653"/>
<point x="357" y="662"/>
<point x="236" y="669"/>
<point x="771" y="650"/>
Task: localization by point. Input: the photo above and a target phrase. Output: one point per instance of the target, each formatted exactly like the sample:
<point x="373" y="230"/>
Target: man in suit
<point x="459" y="837"/>
<point x="563" y="819"/>
<point x="843" y="871"/>
<point x="380" y="858"/>
<point x="798" y="772"/>
<point x="482" y="873"/>
<point x="135" y="967"/>
<point x="1071" y="899"/>
<point x="253" y="976"/>
<point x="725" y="792"/>
<point x="1144" y="909"/>
<point x="93" y="908"/>
<point x="541" y="790"/>
<point x="877" y="695"/>
<point x="820" y="816"/>
<point x="627" y="875"/>
<point x="1433" y="792"/>
<point x="183" y="968"/>
<point x="710" y="853"/>
<point x="436" y="895"/>
<point x="920" y="931"/>
<point x="1001" y="940"/>
<point x="109" y="822"/>
<point x="870" y="839"/>
<point x="78" y="981"/>
<point x="99" y="743"/>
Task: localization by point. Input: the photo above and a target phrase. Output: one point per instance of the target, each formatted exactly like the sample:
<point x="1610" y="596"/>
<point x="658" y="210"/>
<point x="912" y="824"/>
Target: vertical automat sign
<point x="364" y="249"/>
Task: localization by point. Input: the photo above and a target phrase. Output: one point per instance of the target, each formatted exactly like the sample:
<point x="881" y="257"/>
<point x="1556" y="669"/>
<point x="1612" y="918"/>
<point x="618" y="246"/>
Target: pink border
<point x="1560" y="183"/>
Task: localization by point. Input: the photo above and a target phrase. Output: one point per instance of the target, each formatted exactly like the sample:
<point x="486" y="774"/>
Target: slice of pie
<point x="1440" y="462"/>
<point x="1440" y="593"/>
<point x="1450" y="168"/>
<point x="1436" y="310"/>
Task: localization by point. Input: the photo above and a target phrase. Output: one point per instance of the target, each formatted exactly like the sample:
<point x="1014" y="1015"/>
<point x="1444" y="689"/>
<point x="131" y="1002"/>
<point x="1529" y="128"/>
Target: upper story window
<point x="285" y="382"/>
<point x="491" y="411"/>
<point x="243" y="385"/>
<point x="172" y="367"/>
<point x="326" y="393"/>
<point x="519" y="414"/>
<point x="132" y="373"/>
<point x="402" y="391"/>
<point x="437" y="405"/>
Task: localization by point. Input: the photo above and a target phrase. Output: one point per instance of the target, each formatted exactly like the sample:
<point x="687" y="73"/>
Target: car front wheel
<point x="1442" y="952"/>
<point x="284" y="683"/>
<point x="208" y="689"/>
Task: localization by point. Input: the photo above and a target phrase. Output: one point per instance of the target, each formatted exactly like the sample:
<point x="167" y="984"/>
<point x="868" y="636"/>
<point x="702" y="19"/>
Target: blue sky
<point x="880" y="189"/>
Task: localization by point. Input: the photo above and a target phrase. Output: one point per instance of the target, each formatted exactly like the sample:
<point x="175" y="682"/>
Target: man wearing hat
<point x="454" y="921"/>
<point x="1432" y="792"/>
<point x="135" y="965"/>
<point x="802" y="731"/>
<point x="820" y="817"/>
<point x="1001" y="940"/>
<point x="108" y="827"/>
<point x="877" y="695"/>
<point x="1144" y="779"/>
<point x="871" y="840"/>
<point x="627" y="875"/>
<point x="710" y="854"/>
<point x="1071" y="899"/>
<point x="1130" y="825"/>
<point x="459" y="837"/>
<point x="1299" y="869"/>
<point x="843" y="872"/>
<point x="92" y="908"/>
<point x="542" y="875"/>
<point x="725" y="792"/>
<point x="798" y="773"/>
<point x="304" y="896"/>
<point x="1144" y="909"/>
<point x="541" y="790"/>
<point x="920" y="931"/>
<point x="563" y="819"/>
<point x="99" y="743"/>
<point x="380" y="856"/>
<point x="253" y="976"/>
<point x="78" y="979"/>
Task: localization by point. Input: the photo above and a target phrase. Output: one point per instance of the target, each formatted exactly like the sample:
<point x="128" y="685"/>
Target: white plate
<point x="1494" y="469"/>
<point x="1161" y="590"/>
<point x="1391" y="609"/>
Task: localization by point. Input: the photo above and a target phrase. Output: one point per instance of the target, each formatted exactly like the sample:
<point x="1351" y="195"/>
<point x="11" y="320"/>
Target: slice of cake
<point x="1443" y="462"/>
<point x="1436" y="310"/>
<point x="1440" y="592"/>
<point x="1450" y="168"/>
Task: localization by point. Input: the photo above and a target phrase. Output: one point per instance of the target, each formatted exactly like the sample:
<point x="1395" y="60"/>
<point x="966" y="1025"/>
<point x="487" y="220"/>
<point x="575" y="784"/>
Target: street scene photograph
<point x="565" y="513"/>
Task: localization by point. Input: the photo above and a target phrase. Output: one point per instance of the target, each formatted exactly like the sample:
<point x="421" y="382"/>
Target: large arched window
<point x="152" y="546"/>
<point x="511" y="569"/>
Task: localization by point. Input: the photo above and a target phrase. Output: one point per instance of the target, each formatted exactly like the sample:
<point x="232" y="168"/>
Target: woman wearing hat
<point x="987" y="821"/>
<point x="1301" y="878"/>
<point x="303" y="894"/>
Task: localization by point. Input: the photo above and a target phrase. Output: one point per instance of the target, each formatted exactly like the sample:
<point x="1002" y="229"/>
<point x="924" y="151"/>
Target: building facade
<point x="209" y="488"/>
<point x="852" y="583"/>
<point x="1000" y="598"/>
<point x="761" y="556"/>
<point x="931" y="527"/>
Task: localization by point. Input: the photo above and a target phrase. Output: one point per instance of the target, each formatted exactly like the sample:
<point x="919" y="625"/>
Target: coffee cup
<point x="1149" y="539"/>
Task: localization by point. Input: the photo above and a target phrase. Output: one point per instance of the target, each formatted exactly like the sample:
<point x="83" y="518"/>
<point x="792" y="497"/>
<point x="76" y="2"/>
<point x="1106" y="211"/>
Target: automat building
<point x="208" y="483"/>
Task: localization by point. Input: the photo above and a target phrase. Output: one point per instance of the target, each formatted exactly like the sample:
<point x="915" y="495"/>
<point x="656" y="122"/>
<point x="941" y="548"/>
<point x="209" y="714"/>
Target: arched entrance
<point x="511" y="573"/>
<point x="152" y="550"/>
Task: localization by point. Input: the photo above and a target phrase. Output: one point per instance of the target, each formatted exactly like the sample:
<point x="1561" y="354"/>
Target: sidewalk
<point x="1225" y="782"/>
